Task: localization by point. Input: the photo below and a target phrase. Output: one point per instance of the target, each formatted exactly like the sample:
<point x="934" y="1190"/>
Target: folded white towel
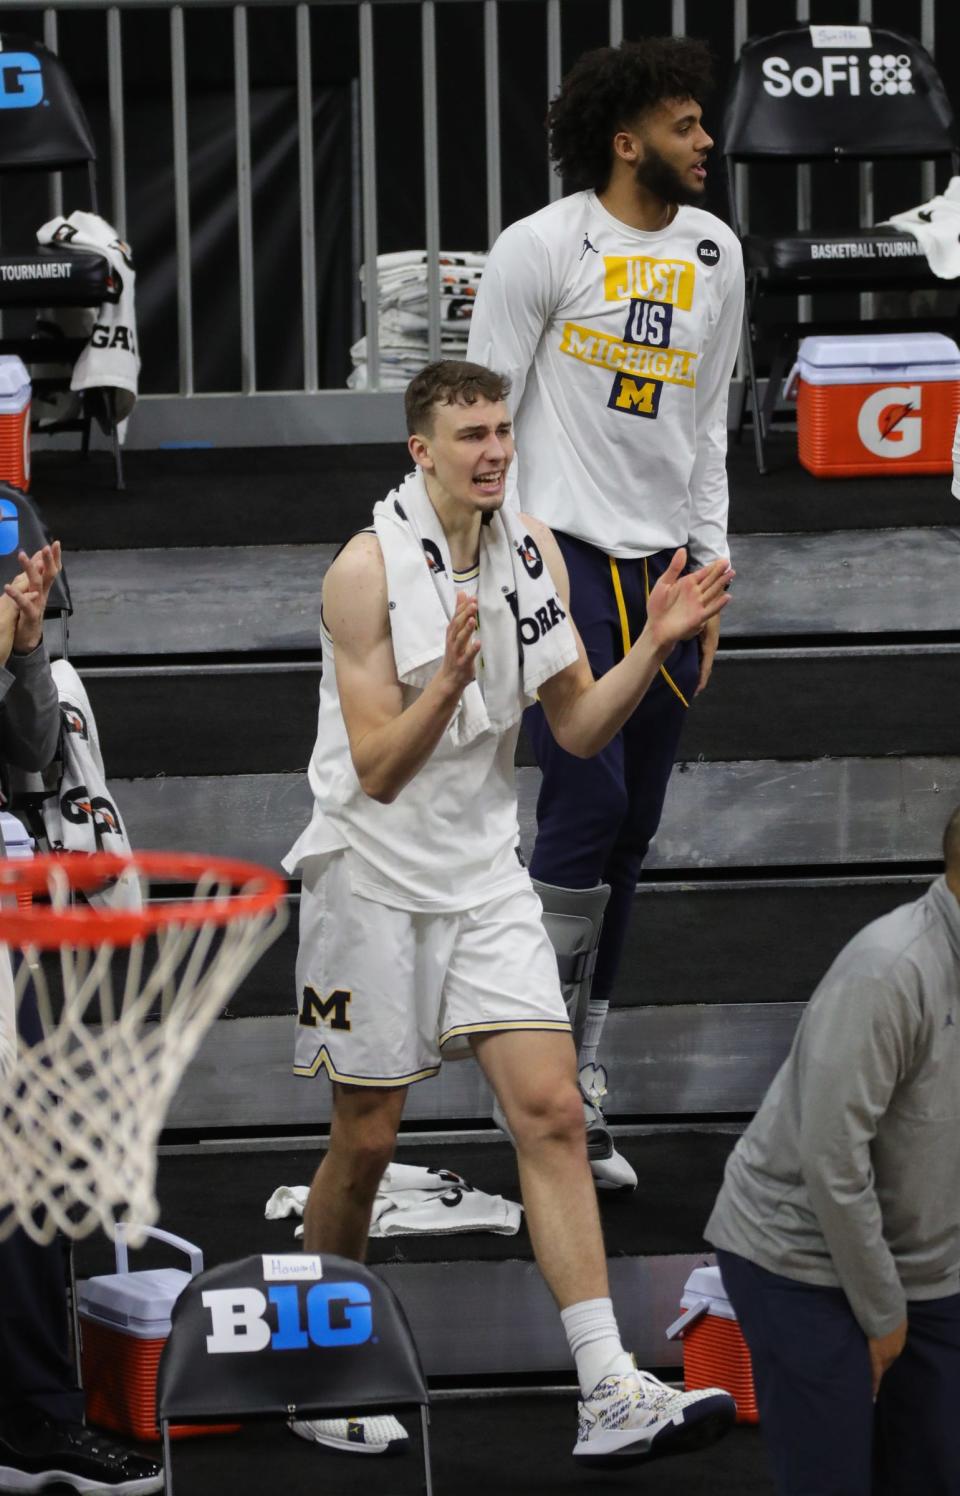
<point x="415" y="1201"/>
<point x="524" y="628"/>
<point x="936" y="227"/>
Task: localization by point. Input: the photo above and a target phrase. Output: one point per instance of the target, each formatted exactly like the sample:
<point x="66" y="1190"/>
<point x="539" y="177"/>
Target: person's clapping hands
<point x="28" y="593"/>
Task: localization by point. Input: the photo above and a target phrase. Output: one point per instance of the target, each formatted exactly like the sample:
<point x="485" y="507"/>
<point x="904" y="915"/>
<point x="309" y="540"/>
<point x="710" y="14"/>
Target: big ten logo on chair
<point x="290" y="1316"/>
<point x="21" y="81"/>
<point x="843" y="73"/>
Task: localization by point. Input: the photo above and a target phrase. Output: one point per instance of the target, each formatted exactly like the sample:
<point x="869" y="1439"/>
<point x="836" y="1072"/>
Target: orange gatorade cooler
<point x="124" y="1324"/>
<point x="715" y="1353"/>
<point x="876" y="403"/>
<point x="15" y="392"/>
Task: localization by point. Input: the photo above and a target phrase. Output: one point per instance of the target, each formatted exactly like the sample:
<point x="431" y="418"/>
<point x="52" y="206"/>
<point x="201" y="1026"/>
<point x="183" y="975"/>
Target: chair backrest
<point x="42" y="123"/>
<point x="290" y="1333"/>
<point x="822" y="92"/>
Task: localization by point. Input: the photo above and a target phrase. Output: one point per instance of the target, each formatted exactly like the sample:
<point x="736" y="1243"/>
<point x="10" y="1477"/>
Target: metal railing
<point x="366" y="412"/>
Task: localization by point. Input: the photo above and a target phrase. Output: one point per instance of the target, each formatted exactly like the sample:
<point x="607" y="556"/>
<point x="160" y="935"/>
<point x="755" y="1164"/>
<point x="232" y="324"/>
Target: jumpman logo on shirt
<point x="587" y="245"/>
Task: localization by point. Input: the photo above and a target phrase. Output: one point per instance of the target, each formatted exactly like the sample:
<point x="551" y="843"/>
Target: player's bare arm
<point x="389" y="744"/>
<point x="583" y="713"/>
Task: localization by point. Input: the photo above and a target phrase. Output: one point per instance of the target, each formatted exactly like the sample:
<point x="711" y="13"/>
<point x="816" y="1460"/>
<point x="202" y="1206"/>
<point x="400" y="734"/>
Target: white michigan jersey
<point x="619" y="345"/>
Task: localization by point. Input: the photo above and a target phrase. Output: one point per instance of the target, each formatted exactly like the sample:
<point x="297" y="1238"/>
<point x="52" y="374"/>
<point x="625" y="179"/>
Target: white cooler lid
<point x="14" y="378"/>
<point x="139" y="1303"/>
<point x="706" y="1284"/>
<point x="871" y="358"/>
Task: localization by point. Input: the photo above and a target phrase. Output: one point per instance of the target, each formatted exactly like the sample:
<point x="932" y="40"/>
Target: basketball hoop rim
<point x="46" y="928"/>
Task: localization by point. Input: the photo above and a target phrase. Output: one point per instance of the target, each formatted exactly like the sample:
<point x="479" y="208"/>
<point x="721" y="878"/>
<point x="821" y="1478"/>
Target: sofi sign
<point x="839" y="73"/>
<point x="332" y="1314"/>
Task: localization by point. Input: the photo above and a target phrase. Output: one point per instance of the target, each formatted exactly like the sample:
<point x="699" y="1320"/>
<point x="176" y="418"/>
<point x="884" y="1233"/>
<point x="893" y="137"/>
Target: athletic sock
<point x="592" y="1029"/>
<point x="595" y="1342"/>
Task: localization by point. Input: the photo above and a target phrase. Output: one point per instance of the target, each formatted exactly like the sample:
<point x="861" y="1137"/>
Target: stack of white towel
<point x="403" y="313"/>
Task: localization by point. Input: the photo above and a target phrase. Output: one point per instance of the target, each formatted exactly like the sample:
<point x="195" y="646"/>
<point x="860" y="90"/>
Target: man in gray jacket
<point x="838" y="1223"/>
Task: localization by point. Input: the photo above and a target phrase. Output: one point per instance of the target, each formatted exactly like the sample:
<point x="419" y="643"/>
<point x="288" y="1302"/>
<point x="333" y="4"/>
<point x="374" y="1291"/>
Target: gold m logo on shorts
<point x="332" y="1010"/>
<point x="627" y="277"/>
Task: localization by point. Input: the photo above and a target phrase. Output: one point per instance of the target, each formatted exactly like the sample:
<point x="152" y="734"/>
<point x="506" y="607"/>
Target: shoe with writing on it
<point x="377" y="1434"/>
<point x="37" y="1451"/>
<point x="636" y="1417"/>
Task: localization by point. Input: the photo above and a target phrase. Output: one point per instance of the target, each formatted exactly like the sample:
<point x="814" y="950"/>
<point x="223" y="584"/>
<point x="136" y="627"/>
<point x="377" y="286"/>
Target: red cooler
<point x="715" y="1353"/>
<point x="876" y="404"/>
<point x="124" y="1324"/>
<point x="15" y="391"/>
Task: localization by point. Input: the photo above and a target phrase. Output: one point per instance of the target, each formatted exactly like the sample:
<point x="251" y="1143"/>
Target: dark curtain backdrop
<point x="400" y="194"/>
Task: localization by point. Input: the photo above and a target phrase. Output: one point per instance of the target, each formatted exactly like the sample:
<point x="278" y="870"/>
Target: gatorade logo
<point x="337" y="1314"/>
<point x="889" y="423"/>
<point x="21" y="81"/>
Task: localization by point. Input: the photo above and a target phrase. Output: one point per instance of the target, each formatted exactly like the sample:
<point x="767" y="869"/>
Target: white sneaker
<point x="609" y="1168"/>
<point x="381" y="1434"/>
<point x="636" y="1417"/>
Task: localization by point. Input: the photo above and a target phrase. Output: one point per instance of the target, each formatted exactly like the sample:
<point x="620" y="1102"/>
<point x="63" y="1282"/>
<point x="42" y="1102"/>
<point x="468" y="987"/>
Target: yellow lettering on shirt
<point x="671" y="365"/>
<point x="630" y="276"/>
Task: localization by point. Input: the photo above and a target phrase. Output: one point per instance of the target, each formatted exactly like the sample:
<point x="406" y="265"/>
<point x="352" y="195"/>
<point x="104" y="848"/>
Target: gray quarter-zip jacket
<point x="849" y="1175"/>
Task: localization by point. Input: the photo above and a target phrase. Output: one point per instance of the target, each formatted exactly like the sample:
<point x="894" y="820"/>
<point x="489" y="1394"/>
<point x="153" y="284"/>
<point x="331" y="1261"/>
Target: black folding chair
<point x="267" y="1337"/>
<point x="793" y="101"/>
<point x="43" y="129"/>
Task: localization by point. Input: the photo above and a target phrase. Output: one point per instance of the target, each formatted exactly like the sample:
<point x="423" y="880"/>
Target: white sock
<point x="592" y="1029"/>
<point x="595" y="1342"/>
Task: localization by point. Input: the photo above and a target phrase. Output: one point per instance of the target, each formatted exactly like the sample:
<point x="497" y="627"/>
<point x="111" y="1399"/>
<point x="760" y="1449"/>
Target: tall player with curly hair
<point x="615" y="313"/>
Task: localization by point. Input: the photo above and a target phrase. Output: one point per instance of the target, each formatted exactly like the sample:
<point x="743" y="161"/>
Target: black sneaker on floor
<point x="43" y="1452"/>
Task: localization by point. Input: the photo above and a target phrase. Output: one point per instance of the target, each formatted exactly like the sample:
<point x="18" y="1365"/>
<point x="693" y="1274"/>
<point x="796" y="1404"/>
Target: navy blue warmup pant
<point x="596" y="816"/>
<point x="36" y="1370"/>
<point x="811" y="1367"/>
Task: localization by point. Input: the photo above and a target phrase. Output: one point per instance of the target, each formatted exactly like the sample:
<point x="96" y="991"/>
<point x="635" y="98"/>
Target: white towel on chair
<point x="414" y="1201"/>
<point x="936" y="227"/>
<point x="110" y="359"/>
<point x="524" y="629"/>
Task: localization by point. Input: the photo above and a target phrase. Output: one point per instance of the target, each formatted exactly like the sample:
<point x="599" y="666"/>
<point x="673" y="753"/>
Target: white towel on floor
<point x="415" y="1201"/>
<point x="936" y="227"/>
<point x="524" y="628"/>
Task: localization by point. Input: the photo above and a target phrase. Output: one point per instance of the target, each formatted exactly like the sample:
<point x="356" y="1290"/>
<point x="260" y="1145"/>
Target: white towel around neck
<point x="524" y="628"/>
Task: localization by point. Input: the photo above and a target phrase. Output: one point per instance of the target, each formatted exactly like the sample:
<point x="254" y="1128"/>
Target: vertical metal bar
<point x="308" y="251"/>
<point x="554" y="74"/>
<point x="118" y="154"/>
<point x="241" y="83"/>
<point x="928" y="36"/>
<point x="55" y="180"/>
<point x="616" y="22"/>
<point x="181" y="196"/>
<point x="804" y="186"/>
<point x="867" y="206"/>
<point x="368" y="152"/>
<point x="678" y="17"/>
<point x="740" y="171"/>
<point x="356" y="215"/>
<point x="431" y="178"/>
<point x="491" y="96"/>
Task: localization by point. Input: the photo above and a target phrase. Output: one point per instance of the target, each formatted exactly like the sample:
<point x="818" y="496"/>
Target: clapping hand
<point x="680" y="606"/>
<point x="29" y="593"/>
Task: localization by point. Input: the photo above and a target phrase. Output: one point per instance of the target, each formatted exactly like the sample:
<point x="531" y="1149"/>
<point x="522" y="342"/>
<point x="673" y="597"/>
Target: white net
<point x="118" y="1003"/>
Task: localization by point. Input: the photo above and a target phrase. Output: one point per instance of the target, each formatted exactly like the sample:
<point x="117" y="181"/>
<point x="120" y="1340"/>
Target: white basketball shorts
<point x="382" y="991"/>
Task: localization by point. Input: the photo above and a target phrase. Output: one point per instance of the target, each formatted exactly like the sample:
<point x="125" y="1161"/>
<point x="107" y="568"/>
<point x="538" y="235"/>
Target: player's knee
<point x="364" y="1150"/>
<point x="548" y="1113"/>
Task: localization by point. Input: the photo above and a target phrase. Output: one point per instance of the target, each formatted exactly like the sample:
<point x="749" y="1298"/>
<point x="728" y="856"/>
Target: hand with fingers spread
<point x="462" y="645"/>
<point x="30" y="591"/>
<point x="680" y="606"/>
